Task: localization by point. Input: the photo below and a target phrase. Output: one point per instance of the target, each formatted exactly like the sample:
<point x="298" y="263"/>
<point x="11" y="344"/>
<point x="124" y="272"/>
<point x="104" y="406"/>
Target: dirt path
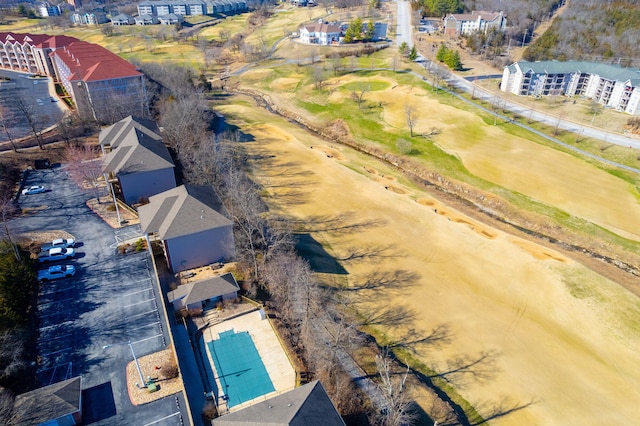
<point x="544" y="319"/>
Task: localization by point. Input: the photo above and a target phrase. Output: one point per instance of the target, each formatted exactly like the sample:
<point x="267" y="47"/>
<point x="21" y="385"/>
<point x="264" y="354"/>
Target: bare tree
<point x="85" y="167"/>
<point x="358" y="94"/>
<point x="68" y="125"/>
<point x="318" y="76"/>
<point x="6" y="121"/>
<point x="29" y="110"/>
<point x="399" y="410"/>
<point x="412" y="117"/>
<point x="7" y="210"/>
<point x="7" y="412"/>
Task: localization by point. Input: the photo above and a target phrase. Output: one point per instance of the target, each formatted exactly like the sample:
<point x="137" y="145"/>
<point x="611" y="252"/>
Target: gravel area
<point x="110" y="216"/>
<point x="148" y="366"/>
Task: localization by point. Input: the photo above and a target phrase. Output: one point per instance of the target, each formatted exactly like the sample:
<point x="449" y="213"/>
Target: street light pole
<point x="143" y="383"/>
<point x="135" y="359"/>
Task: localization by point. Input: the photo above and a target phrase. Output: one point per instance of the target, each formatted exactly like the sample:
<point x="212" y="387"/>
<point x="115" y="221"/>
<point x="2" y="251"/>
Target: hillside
<point x="592" y="30"/>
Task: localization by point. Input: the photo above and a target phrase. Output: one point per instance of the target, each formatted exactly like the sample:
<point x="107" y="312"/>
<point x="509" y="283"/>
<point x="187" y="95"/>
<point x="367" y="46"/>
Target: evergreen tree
<point x="441" y="54"/>
<point x="413" y="54"/>
<point x="370" y="31"/>
<point x="403" y="49"/>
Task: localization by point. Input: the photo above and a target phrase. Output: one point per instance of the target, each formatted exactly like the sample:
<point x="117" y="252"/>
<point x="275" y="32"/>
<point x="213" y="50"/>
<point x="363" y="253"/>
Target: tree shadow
<point x="398" y="279"/>
<point x="314" y="253"/>
<point x="370" y="252"/>
<point x="338" y="224"/>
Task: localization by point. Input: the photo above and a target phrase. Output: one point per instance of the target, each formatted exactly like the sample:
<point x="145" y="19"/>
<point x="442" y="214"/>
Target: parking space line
<point x="53" y="292"/>
<point x="139" y="303"/>
<point x="136" y="292"/>
<point x="55" y="313"/>
<point x="144" y="326"/>
<point x="142" y="314"/>
<point x="58" y="337"/>
<point x="55" y="325"/>
<point x="139" y="281"/>
<point x="177" y="413"/>
<point x="148" y="338"/>
<point x="57" y="301"/>
<point x="55" y="352"/>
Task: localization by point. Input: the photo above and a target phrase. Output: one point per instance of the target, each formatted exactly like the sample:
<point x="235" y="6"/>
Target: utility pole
<point x="524" y="37"/>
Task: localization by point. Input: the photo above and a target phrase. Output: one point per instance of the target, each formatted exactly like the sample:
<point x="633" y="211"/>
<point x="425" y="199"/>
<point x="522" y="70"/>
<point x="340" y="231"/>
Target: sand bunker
<point x="538" y="252"/>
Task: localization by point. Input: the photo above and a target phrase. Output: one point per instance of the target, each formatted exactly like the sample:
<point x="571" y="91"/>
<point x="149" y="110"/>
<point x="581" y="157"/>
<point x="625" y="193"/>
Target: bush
<point x="209" y="411"/>
<point x="170" y="370"/>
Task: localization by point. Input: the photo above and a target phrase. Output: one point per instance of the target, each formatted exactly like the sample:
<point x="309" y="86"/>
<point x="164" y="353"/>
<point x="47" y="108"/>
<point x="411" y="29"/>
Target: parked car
<point x="55" y="254"/>
<point x="58" y="243"/>
<point x="56" y="272"/>
<point x="35" y="189"/>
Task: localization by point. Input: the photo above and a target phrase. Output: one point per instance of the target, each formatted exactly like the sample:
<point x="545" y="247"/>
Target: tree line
<point x="270" y="268"/>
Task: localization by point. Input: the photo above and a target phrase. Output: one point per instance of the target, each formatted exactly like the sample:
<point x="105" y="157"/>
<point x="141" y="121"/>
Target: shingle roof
<point x="185" y="210"/>
<point x="204" y="289"/>
<point x="308" y="405"/>
<point x="322" y="28"/>
<point x="90" y="62"/>
<point x="137" y="152"/>
<point x="607" y="71"/>
<point x="113" y="135"/>
<point x="473" y="16"/>
<point x="38" y="40"/>
<point x="50" y="402"/>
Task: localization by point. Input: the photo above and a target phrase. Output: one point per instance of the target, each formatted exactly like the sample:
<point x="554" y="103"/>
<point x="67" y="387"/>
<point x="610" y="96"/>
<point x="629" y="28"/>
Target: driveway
<point x="38" y="96"/>
<point x="87" y="321"/>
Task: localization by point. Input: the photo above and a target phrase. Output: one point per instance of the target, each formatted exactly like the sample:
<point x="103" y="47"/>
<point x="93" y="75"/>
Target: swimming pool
<point x="239" y="368"/>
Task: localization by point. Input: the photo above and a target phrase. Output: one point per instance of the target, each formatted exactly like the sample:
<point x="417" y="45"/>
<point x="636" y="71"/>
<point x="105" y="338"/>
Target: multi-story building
<point x="190" y="7"/>
<point x="474" y="22"/>
<point x="610" y="85"/>
<point x="47" y="9"/>
<point x="30" y="52"/>
<point x="103" y="86"/>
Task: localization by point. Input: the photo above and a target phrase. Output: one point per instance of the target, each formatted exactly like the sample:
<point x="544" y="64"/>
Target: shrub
<point x="169" y="369"/>
<point x="209" y="411"/>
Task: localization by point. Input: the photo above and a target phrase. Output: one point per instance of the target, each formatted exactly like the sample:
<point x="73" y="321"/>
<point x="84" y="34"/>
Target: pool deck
<point x="274" y="358"/>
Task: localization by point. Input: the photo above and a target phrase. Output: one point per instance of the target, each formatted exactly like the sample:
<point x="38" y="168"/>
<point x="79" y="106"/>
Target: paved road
<point x="461" y="83"/>
<point x="403" y="24"/>
<point x="112" y="300"/>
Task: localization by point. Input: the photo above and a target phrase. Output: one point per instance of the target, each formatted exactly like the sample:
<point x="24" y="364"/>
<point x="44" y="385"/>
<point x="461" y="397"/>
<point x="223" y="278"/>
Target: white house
<point x="474" y="22"/>
<point x="320" y="33"/>
<point x="610" y="85"/>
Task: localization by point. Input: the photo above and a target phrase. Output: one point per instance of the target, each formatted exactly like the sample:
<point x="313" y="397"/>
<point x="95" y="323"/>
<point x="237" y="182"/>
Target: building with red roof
<point x="103" y="86"/>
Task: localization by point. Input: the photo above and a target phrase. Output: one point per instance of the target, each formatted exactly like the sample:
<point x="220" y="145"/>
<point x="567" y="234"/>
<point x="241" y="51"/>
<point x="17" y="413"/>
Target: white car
<point x="58" y="243"/>
<point x="55" y="254"/>
<point x="35" y="189"/>
<point x="56" y="272"/>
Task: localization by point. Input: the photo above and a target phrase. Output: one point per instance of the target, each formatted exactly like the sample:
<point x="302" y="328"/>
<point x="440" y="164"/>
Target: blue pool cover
<point x="239" y="367"/>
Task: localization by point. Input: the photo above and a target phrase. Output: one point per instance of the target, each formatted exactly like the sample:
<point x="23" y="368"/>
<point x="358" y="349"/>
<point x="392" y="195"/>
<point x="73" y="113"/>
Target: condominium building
<point x="474" y="22"/>
<point x="101" y="85"/>
<point x="610" y="85"/>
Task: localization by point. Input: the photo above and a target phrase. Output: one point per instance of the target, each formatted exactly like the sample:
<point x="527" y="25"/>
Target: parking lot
<point x="88" y="321"/>
<point x="38" y="98"/>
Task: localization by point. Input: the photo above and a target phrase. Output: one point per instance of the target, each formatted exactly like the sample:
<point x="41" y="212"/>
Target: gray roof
<point x="204" y="289"/>
<point x="185" y="210"/>
<point x="50" y="402"/>
<point x="308" y="405"/>
<point x="113" y="135"/>
<point x="137" y="152"/>
<point x="122" y="17"/>
<point x="606" y="71"/>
